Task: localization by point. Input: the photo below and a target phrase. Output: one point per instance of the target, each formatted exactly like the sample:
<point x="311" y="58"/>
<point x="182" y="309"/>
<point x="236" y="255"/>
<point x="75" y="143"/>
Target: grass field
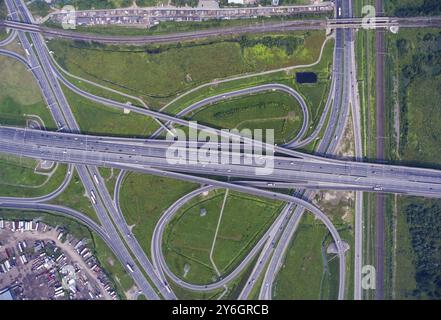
<point x="268" y="110"/>
<point x="3" y="10"/>
<point x="3" y="34"/>
<point x="140" y="203"/>
<point x="16" y="103"/>
<point x="415" y="80"/>
<point x="109" y="175"/>
<point x="17" y="177"/>
<point x="412" y="7"/>
<point x="158" y="73"/>
<point x="419" y="248"/>
<point x="75" y="197"/>
<point x="300" y="276"/>
<point x="19" y="172"/>
<point x="232" y="291"/>
<point x="98" y="119"/>
<point x="315" y="95"/>
<point x="185" y="294"/>
<point x="189" y="236"/>
<point x="112" y="266"/>
<point x="419" y="98"/>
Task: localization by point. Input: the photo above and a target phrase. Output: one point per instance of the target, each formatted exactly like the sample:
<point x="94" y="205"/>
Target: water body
<point x="306" y="77"/>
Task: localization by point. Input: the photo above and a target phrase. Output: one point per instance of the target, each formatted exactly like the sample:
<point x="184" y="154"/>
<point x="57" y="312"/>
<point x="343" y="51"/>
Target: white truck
<point x="129" y="266"/>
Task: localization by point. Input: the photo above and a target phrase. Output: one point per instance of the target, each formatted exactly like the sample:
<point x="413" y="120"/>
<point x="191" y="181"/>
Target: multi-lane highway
<point x="290" y="25"/>
<point x="64" y="118"/>
<point x="332" y="132"/>
<point x="282" y="168"/>
<point x="108" y="152"/>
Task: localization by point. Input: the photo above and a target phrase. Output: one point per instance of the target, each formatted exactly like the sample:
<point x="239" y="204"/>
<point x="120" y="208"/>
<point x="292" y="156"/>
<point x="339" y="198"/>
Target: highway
<point x="292" y="169"/>
<point x="291" y="25"/>
<point x="11" y="36"/>
<point x="102" y="151"/>
<point x="248" y="91"/>
<point x="275" y="232"/>
<point x="159" y="260"/>
<point x="323" y="148"/>
<point x="358" y="145"/>
<point x="250" y="190"/>
<point x="323" y="118"/>
<point x="37" y="76"/>
<point x="64" y="118"/>
<point x="380" y="127"/>
<point x="104" y="203"/>
<point x="47" y="197"/>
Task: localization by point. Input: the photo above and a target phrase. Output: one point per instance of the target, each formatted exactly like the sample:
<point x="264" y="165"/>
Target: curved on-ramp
<point x="249" y="91"/>
<point x="158" y="258"/>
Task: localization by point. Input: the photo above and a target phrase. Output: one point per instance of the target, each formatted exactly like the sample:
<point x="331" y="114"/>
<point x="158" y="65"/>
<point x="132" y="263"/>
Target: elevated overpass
<point x="290" y="25"/>
<point x="290" y="171"/>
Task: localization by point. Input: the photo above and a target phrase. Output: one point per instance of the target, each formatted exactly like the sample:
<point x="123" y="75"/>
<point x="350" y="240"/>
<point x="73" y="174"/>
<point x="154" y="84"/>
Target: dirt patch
<point x="132" y="293"/>
<point x="346" y="146"/>
<point x="110" y="261"/>
<point x="337" y="203"/>
<point x="396" y="116"/>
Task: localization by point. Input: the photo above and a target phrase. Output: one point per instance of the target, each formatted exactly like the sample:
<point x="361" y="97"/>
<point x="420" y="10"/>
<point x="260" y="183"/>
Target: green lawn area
<point x="315" y="95"/>
<point x="419" y="95"/>
<point x="19" y="172"/>
<point x="3" y="34"/>
<point x="75" y="197"/>
<point x="16" y="103"/>
<point x="3" y="11"/>
<point x="185" y="294"/>
<point x="158" y="73"/>
<point x="300" y="276"/>
<point x="234" y="287"/>
<point x="424" y="116"/>
<point x="112" y="266"/>
<point x="419" y="251"/>
<point x="417" y="77"/>
<point x="405" y="267"/>
<point x="412" y="8"/>
<point x="189" y="236"/>
<point x="267" y="110"/>
<point x="144" y="198"/>
<point x="17" y="176"/>
<point x="39" y="8"/>
<point x="109" y="175"/>
<point x="97" y="119"/>
<point x="293" y="2"/>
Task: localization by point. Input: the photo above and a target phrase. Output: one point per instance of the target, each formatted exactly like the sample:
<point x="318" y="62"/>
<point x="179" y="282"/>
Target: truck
<point x="378" y="188"/>
<point x="129" y="266"/>
<point x="96" y="179"/>
<point x="92" y="197"/>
